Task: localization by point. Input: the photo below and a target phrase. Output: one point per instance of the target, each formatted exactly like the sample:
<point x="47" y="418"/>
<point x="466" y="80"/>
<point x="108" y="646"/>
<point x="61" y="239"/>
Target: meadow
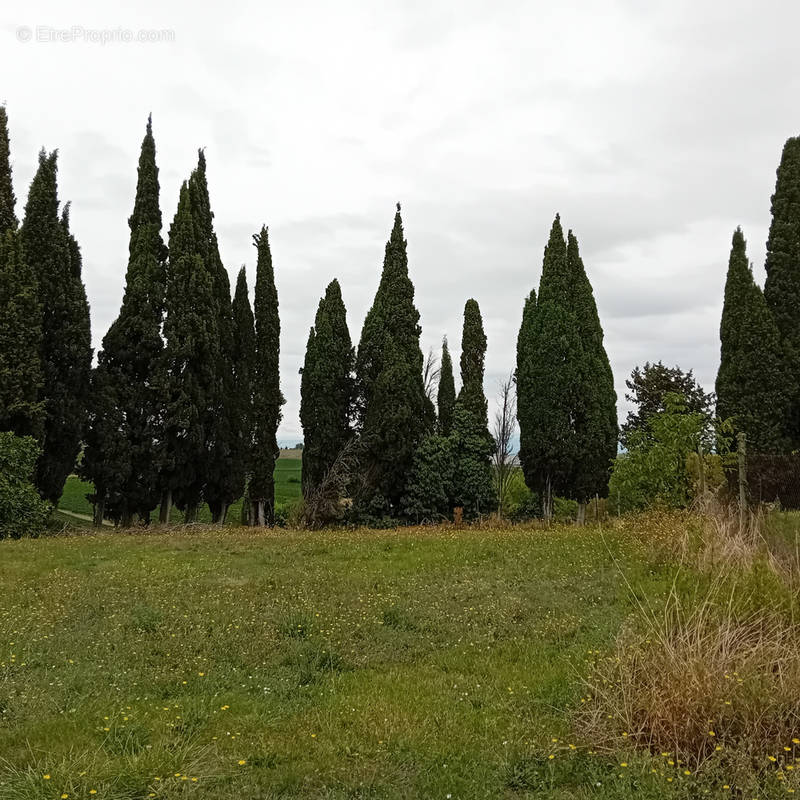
<point x="436" y="663"/>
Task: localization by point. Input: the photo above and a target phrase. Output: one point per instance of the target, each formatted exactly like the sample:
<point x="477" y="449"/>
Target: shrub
<point x="22" y="511"/>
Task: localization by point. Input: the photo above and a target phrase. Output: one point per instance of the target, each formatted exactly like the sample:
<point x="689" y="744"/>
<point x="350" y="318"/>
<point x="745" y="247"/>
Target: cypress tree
<point x="223" y="483"/>
<point x="125" y="398"/>
<point x="550" y="363"/>
<point x="326" y="389"/>
<point x="446" y="397"/>
<point x="526" y="388"/>
<point x="243" y="362"/>
<point x="596" y="417"/>
<point x="188" y="367"/>
<point x="782" y="287"/>
<point x="20" y="323"/>
<point x="268" y="398"/>
<point x="391" y="328"/>
<point x="751" y="385"/>
<point x="66" y="353"/>
<point x="8" y="217"/>
<point x="472" y="444"/>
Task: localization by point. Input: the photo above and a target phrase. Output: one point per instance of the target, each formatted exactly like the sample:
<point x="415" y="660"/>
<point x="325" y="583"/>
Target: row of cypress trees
<point x="421" y="461"/>
<point x="758" y="382"/>
<point x="184" y="403"/>
<point x="186" y="396"/>
<point x="45" y="338"/>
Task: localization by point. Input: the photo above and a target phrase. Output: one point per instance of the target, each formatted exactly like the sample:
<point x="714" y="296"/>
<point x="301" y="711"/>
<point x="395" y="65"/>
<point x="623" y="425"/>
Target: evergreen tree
<point x="446" y="398"/>
<point x="430" y="486"/>
<point x="391" y="328"/>
<point x="596" y="417"/>
<point x="526" y="388"/>
<point x="243" y="362"/>
<point x="223" y="481"/>
<point x="326" y="389"/>
<point x="8" y="217"/>
<point x="66" y="354"/>
<point x="550" y="363"/>
<point x="472" y="443"/>
<point x="782" y="287"/>
<point x="751" y="385"/>
<point x="125" y="399"/>
<point x="648" y="388"/>
<point x="268" y="398"/>
<point x="188" y="367"/>
<point x="20" y="323"/>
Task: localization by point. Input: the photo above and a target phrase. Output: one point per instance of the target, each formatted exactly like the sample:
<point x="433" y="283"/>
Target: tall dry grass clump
<point x="713" y="672"/>
<point x="697" y="678"/>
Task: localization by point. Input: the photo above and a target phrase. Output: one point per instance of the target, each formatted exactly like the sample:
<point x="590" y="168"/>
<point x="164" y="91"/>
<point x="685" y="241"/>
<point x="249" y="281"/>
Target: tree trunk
<point x="190" y="515"/>
<point x="259" y="509"/>
<point x="581" y="518"/>
<point x="126" y="520"/>
<point x="547" y="502"/>
<point x="166" y="507"/>
<point x="99" y="512"/>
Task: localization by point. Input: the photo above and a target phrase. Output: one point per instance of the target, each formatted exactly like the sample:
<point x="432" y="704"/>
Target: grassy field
<point x="430" y="663"/>
<point x="288" y="488"/>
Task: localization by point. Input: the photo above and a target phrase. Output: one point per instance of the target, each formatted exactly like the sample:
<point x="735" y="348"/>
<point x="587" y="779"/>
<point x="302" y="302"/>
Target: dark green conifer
<point x="125" y="400"/>
<point x="326" y="389"/>
<point x="596" y="413"/>
<point x="268" y="398"/>
<point x="782" y="287"/>
<point x="549" y="368"/>
<point x="8" y="216"/>
<point x="430" y="486"/>
<point x="21" y="412"/>
<point x="472" y="444"/>
<point x="244" y="363"/>
<point x="391" y="327"/>
<point x="446" y="397"/>
<point x="188" y="367"/>
<point x="223" y="484"/>
<point x="66" y="354"/>
<point x="751" y="387"/>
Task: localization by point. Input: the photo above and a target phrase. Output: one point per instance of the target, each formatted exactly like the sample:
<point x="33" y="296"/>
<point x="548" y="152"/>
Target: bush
<point x="22" y="511"/>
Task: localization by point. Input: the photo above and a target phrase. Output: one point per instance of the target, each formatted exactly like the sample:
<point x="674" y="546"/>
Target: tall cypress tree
<point x="550" y="363"/>
<point x="126" y="402"/>
<point x="473" y="483"/>
<point x="326" y="389"/>
<point x="223" y="483"/>
<point x="188" y="367"/>
<point x="782" y="287"/>
<point x="243" y="361"/>
<point x="66" y="353"/>
<point x="596" y="414"/>
<point x="391" y="328"/>
<point x="21" y="412"/>
<point x="446" y="397"/>
<point x="8" y="216"/>
<point x="751" y="384"/>
<point x="268" y="398"/>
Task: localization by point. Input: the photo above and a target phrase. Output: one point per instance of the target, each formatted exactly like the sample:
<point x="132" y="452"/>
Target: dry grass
<point x="710" y="679"/>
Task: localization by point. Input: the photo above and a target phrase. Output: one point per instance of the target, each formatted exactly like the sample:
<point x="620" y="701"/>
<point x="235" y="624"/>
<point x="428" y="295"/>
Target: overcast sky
<point x="653" y="128"/>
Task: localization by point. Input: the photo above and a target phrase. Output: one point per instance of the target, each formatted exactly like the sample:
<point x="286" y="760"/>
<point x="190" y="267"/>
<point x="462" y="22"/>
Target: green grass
<point x="427" y="663"/>
<point x="288" y="488"/>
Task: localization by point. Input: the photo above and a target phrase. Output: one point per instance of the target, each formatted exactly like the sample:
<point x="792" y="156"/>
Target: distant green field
<point x="287" y="490"/>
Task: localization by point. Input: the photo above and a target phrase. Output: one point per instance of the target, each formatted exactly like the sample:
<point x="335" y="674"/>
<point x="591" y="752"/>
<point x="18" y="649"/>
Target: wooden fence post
<point x="741" y="439"/>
